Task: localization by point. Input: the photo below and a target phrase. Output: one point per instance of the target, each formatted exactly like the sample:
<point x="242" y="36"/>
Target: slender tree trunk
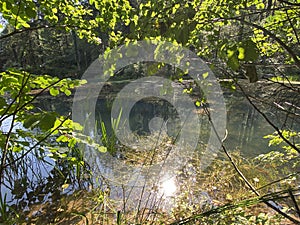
<point x="77" y="55"/>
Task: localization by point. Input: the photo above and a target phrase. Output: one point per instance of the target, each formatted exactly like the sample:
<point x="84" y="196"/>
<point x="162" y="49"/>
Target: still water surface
<point x="246" y="129"/>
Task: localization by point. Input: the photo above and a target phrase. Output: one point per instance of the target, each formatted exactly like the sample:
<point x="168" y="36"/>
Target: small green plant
<point x="110" y="140"/>
<point x="285" y="160"/>
<point x="3" y="208"/>
<point x="7" y="214"/>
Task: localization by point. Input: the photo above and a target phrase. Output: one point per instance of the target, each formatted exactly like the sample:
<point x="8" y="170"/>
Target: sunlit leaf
<point x="205" y="75"/>
<point x="102" y="149"/>
<point x="62" y="138"/>
<point x="229" y="197"/>
<point x="65" y="186"/>
<point x="54" y="91"/>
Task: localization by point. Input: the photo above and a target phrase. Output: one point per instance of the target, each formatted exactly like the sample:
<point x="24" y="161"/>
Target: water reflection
<point x="245" y="131"/>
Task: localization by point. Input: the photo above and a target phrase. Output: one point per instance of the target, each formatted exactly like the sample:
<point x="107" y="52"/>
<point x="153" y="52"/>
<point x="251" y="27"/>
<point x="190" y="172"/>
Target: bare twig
<point x="271" y="204"/>
<point x="293" y="27"/>
<point x="6" y="146"/>
<point x="247" y="202"/>
<point x="295" y="202"/>
<point x="277" y="181"/>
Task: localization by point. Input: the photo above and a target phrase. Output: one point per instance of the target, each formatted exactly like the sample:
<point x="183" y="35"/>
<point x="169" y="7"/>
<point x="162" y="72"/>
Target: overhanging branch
<point x="273" y="36"/>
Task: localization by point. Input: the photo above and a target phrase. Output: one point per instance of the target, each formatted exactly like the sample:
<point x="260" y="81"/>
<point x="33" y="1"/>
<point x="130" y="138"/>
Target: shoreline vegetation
<point x="56" y="170"/>
<point x="214" y="195"/>
<point x="113" y="87"/>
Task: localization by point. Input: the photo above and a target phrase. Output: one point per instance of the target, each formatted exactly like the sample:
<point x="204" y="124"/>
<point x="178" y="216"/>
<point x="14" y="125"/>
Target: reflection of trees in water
<point x="247" y="127"/>
<point x="36" y="180"/>
<point x="244" y="124"/>
<point x="145" y="110"/>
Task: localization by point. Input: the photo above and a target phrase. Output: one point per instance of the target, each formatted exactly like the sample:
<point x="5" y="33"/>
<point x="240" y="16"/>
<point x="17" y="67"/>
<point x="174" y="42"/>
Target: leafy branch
<point x="272" y="35"/>
<point x="289" y="3"/>
<point x="38" y="143"/>
<point x="18" y="109"/>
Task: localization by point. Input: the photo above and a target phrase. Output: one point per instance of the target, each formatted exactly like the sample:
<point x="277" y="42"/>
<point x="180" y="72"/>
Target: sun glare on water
<point x="168" y="187"/>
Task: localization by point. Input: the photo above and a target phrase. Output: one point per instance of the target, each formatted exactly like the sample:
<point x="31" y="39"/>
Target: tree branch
<point x="289" y="3"/>
<point x="292" y="25"/>
<point x="273" y="36"/>
<point x="268" y="120"/>
<point x="269" y="203"/>
<point x="28" y="102"/>
<point x="25" y="30"/>
<point x="36" y="144"/>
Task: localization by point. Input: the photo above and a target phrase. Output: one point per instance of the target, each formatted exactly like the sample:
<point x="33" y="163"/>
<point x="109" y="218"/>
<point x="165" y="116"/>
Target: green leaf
<point x="62" y="138"/>
<point x="24" y="24"/>
<point x="47" y="121"/>
<point x="6" y="6"/>
<point x="30" y="12"/>
<point x="241" y="55"/>
<point x="67" y="92"/>
<point x="54" y="92"/>
<point x="72" y="142"/>
<point x="31" y="121"/>
<point x="2" y="102"/>
<point x="182" y="35"/>
<point x="17" y="148"/>
<point x="205" y="75"/>
<point x="233" y="62"/>
<point x="102" y="149"/>
<point x="248" y="51"/>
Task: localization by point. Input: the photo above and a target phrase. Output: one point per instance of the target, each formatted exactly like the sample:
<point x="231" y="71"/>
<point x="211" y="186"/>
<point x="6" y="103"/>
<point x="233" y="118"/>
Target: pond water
<point x="246" y="129"/>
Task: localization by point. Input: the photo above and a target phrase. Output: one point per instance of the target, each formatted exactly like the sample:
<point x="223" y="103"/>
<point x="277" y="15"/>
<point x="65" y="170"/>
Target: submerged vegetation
<point x="253" y="48"/>
<point x="215" y="196"/>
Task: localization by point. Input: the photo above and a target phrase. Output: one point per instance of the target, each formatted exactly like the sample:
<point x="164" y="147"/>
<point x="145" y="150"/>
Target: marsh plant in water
<point x="216" y="195"/>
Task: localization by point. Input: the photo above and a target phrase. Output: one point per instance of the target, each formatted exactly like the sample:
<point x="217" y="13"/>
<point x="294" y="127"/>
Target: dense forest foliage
<point x="46" y="46"/>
